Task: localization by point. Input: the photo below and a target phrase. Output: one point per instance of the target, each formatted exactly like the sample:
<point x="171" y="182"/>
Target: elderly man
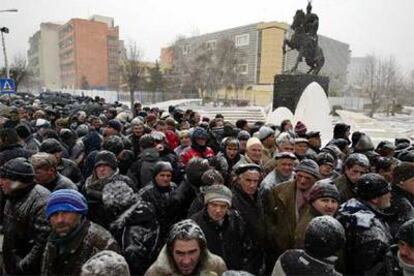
<point x="24" y="224"/>
<point x="284" y="143"/>
<point x="285" y="205"/>
<point x="253" y="153"/>
<point x="248" y="203"/>
<point x="283" y="171"/>
<point x="186" y="253"/>
<point x="46" y="172"/>
<point x="367" y="233"/>
<point x="225" y="230"/>
<point x="266" y="135"/>
<point x="74" y="239"/>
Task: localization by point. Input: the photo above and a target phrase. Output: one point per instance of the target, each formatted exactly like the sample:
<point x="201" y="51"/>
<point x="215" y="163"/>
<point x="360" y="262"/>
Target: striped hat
<point x="66" y="200"/>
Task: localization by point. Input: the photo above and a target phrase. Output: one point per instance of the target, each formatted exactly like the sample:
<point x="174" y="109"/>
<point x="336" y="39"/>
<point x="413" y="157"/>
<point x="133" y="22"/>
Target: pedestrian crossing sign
<point x="7" y="86"/>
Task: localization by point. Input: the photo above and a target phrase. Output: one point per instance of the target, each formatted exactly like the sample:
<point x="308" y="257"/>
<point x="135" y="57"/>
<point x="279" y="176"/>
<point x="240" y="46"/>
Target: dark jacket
<point x="25" y="230"/>
<point x="69" y="169"/>
<point x="13" y="151"/>
<point x="345" y="187"/>
<point x="68" y="258"/>
<point x="141" y="170"/>
<point x="60" y="182"/>
<point x="159" y="197"/>
<point x="182" y="198"/>
<point x="401" y="210"/>
<point x="92" y="190"/>
<point x="367" y="238"/>
<point x="229" y="240"/>
<point x="251" y="210"/>
<point x="138" y="233"/>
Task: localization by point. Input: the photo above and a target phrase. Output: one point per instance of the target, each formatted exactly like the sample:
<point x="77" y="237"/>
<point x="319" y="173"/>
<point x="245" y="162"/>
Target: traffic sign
<point x="7" y="86"/>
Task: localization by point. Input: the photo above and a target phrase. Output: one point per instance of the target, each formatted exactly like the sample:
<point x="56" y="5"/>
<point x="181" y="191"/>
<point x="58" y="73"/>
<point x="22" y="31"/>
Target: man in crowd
<point x="25" y="226"/>
<point x="46" y="173"/>
<point x="266" y="135"/>
<point x="186" y="253"/>
<point x="367" y="233"/>
<point x="285" y="205"/>
<point x="74" y="239"/>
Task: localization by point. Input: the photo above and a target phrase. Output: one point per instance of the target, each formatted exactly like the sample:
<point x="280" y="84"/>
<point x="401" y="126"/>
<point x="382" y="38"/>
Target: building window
<point x="242" y="40"/>
<point x="211" y="44"/>
<point x="242" y="69"/>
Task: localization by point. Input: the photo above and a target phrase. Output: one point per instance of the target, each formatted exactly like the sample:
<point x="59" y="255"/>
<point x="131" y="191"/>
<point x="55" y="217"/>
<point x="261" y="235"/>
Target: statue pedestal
<point x="288" y="89"/>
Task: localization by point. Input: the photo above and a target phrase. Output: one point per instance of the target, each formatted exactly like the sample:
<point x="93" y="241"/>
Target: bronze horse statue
<point x="305" y="44"/>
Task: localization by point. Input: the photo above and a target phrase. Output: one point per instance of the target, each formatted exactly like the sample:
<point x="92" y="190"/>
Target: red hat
<point x="300" y="128"/>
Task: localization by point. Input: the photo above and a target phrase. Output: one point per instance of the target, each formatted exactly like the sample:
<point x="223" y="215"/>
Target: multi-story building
<point x="43" y="55"/>
<point x="263" y="59"/>
<point x="78" y="54"/>
<point x="89" y="53"/>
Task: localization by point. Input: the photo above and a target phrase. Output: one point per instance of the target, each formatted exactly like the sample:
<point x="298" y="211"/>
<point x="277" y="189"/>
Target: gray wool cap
<point x="265" y="132"/>
<point x="106" y="263"/>
<point x="309" y="166"/>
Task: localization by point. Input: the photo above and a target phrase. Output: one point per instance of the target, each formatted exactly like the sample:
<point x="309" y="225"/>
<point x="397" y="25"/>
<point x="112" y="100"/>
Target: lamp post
<point x="5" y="30"/>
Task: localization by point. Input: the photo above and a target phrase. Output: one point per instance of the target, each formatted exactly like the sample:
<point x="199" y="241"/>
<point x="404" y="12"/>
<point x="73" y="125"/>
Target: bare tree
<point x="19" y="71"/>
<point x="208" y="67"/>
<point x="132" y="70"/>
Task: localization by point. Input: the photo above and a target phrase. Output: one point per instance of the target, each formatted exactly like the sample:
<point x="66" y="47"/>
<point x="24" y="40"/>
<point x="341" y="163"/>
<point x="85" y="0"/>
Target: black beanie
<point x="403" y="172"/>
<point x="372" y="185"/>
<point x="161" y="166"/>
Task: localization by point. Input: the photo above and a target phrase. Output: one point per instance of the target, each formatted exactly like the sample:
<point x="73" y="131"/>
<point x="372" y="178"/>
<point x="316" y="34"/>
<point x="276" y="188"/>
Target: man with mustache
<point x="74" y="239"/>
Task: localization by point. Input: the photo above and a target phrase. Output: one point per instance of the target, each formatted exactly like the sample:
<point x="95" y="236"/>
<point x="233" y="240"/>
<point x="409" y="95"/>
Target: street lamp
<point x="6" y="31"/>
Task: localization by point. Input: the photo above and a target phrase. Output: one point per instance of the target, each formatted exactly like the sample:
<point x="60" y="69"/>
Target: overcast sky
<point x="384" y="27"/>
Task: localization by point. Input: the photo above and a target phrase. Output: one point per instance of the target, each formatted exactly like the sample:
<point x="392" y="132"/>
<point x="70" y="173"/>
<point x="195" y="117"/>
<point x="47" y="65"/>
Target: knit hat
<point x="324" y="188"/>
<point x="66" y="200"/>
<point x="372" y="185"/>
<point x="51" y="145"/>
<point x="106" y="263"/>
<point x="243" y="135"/>
<point x="17" y="169"/>
<point x="253" y="141"/>
<point x="301" y="140"/>
<point x="403" y="172"/>
<point x="186" y="229"/>
<point x="199" y="133"/>
<point x="105" y="157"/>
<point x="115" y="124"/>
<point x="325" y="158"/>
<point x="161" y="166"/>
<point x="218" y="192"/>
<point x="309" y="166"/>
<point x="300" y="129"/>
<point x="265" y="132"/>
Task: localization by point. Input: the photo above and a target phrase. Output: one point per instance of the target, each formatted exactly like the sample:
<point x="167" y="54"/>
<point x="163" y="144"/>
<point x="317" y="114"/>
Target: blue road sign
<point x="7" y="86"/>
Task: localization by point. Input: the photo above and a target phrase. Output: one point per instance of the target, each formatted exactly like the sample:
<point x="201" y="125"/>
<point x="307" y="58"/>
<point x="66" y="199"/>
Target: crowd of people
<point x="91" y="188"/>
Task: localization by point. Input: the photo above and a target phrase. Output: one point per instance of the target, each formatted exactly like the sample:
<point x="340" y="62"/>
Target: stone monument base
<point x="288" y="89"/>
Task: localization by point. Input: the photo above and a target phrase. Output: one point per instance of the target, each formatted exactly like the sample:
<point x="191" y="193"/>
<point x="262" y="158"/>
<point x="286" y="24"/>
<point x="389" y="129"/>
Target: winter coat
<point x="93" y="193"/>
<point x="272" y="180"/>
<point x="191" y="152"/>
<point x="298" y="262"/>
<point x="159" y="197"/>
<point x="25" y="230"/>
<point x="345" y="187"/>
<point x="163" y="266"/>
<point x="229" y="240"/>
<point x="282" y="217"/>
<point x="31" y="144"/>
<point x="89" y="240"/>
<point x="267" y="154"/>
<point x="302" y="224"/>
<point x="141" y="170"/>
<point x="182" y="198"/>
<point x="251" y="210"/>
<point x="13" y="151"/>
<point x="367" y="238"/>
<point x="137" y="231"/>
<point x="125" y="159"/>
<point x="70" y="169"/>
<point x="60" y="182"/>
<point x="401" y="209"/>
